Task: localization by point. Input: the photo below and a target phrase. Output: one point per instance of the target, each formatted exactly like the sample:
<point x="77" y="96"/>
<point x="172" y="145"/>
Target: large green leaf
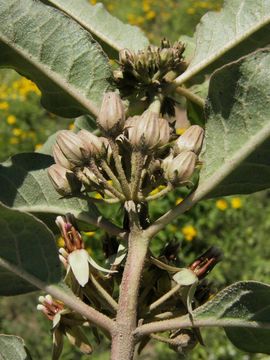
<point x="54" y="51"/>
<point x="25" y="185"/>
<point x="237" y="153"/>
<point x="241" y="27"/>
<point x="243" y="301"/>
<point x="103" y="26"/>
<point x="13" y="348"/>
<point x="27" y="244"/>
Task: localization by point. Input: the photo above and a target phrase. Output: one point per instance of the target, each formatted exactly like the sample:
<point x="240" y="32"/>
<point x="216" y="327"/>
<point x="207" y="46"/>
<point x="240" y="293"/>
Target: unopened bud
<point x="60" y="158"/>
<point x="148" y="132"/>
<point x="111" y="117"/>
<point x="191" y="140"/>
<point x="180" y="168"/>
<point x="94" y="146"/>
<point x="63" y="180"/>
<point x="70" y="145"/>
<point x="126" y="56"/>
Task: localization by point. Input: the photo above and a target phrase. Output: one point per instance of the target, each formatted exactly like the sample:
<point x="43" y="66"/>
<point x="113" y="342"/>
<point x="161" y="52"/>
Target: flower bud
<point x="94" y="146"/>
<point x="63" y="180"/>
<point x="126" y="56"/>
<point x="180" y="168"/>
<point x="111" y="117"/>
<point x="60" y="158"/>
<point x="70" y="145"/>
<point x="148" y="132"/>
<point x="191" y="140"/>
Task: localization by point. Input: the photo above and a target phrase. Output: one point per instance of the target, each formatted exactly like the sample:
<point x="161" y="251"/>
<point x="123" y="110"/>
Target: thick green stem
<point x="123" y="343"/>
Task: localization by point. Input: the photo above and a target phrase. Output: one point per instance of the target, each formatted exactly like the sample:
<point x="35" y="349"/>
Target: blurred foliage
<point x="159" y="18"/>
<point x="24" y="124"/>
<point x="238" y="225"/>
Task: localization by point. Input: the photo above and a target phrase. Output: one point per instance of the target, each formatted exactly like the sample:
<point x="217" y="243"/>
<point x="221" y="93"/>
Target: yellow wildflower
<point x="150" y="15"/>
<point x="14" y="140"/>
<point x="189" y="232"/>
<point x="191" y="11"/>
<point x="38" y="146"/>
<point x="146" y="6"/>
<point x="236" y="203"/>
<point x="60" y="241"/>
<point x="11" y="119"/>
<point x="178" y="201"/>
<point x="17" y="132"/>
<point x="4" y="105"/>
<point x="221" y="204"/>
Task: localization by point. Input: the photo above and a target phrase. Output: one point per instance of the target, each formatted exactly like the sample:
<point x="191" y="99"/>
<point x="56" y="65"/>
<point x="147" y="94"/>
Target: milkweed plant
<point x="123" y="92"/>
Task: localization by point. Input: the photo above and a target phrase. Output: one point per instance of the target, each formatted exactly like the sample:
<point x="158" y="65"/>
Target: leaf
<point x="25" y="185"/>
<point x="29" y="245"/>
<point x="241" y="27"/>
<point x="246" y="301"/>
<point x="237" y="152"/>
<point x="86" y="123"/>
<point x="78" y="261"/>
<point x="55" y="52"/>
<point x="13" y="348"/>
<point x="102" y="25"/>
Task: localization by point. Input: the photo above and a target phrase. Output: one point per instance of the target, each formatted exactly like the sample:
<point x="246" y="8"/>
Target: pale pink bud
<point x="180" y="168"/>
<point x="191" y="140"/>
<point x="63" y="180"/>
<point x="71" y="145"/>
<point x="94" y="146"/>
<point x="148" y="131"/>
<point x="111" y="117"/>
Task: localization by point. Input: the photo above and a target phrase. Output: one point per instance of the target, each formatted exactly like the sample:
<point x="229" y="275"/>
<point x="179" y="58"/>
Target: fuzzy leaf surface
<point x="102" y="25"/>
<point x="242" y="301"/>
<point x="55" y="52"/>
<point x="13" y="348"/>
<point x="28" y="244"/>
<point x="25" y="185"/>
<point x="236" y="159"/>
<point x="241" y="27"/>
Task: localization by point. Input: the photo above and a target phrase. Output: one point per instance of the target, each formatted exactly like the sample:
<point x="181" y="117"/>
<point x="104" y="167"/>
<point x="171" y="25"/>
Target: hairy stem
<point x="164" y="298"/>
<point x="105" y="295"/>
<point x="191" y="96"/>
<point x="70" y="300"/>
<point x="104" y="182"/>
<point x="161" y="193"/>
<point x="137" y="168"/>
<point x="123" y="343"/>
<point x="122" y="176"/>
<point x="111" y="175"/>
<point x="185" y="322"/>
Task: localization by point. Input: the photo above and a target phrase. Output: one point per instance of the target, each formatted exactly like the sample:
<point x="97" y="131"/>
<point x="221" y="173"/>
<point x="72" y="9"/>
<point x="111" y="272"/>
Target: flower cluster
<point x="87" y="163"/>
<point x="148" y="72"/>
